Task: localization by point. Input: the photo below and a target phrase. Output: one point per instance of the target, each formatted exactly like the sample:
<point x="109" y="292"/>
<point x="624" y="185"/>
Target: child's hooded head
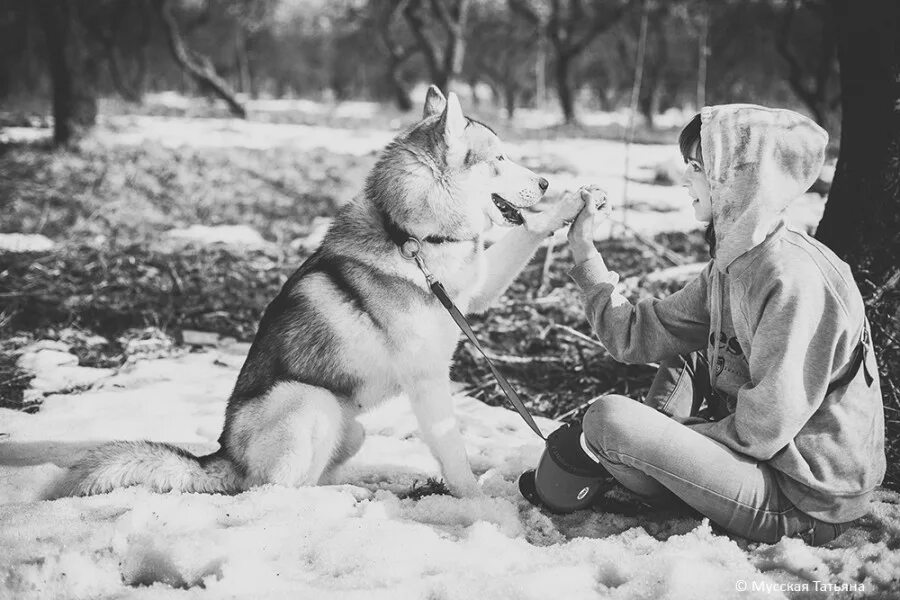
<point x="756" y="160"/>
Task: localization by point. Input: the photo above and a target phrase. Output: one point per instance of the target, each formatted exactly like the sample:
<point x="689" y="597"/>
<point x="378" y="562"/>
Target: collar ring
<point x="410" y="248"/>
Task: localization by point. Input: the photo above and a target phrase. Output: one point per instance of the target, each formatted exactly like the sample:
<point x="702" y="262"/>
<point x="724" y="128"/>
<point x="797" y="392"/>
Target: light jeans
<point x="655" y="456"/>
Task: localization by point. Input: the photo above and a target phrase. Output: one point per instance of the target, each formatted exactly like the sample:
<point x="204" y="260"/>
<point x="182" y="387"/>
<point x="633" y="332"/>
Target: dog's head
<point x="475" y="163"/>
<point x="451" y="172"/>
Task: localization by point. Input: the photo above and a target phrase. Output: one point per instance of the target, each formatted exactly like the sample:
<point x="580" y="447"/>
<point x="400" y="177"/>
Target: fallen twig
<point x="879" y="292"/>
<point x="545" y="271"/>
<point x="577" y="334"/>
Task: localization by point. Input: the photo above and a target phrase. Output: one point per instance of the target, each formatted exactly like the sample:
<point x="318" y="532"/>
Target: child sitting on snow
<point x="766" y="413"/>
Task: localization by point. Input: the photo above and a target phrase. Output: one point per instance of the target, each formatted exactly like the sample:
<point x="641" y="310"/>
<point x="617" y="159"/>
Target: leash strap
<point x="410" y="251"/>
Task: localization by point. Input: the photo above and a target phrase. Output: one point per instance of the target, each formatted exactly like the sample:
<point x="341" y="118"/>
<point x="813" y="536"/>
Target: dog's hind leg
<point x="291" y="434"/>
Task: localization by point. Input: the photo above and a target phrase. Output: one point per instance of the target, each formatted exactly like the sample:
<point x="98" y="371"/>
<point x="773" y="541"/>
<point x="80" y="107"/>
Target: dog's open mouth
<point x="509" y="212"/>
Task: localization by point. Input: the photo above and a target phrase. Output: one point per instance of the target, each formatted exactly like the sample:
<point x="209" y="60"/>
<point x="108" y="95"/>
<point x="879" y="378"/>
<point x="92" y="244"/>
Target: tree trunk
<point x="199" y="67"/>
<point x="401" y="93"/>
<point x="444" y="62"/>
<point x="74" y="99"/>
<point x="242" y="57"/>
<point x="564" y="87"/>
<point x="510" y="94"/>
<point x="396" y="54"/>
<point x="862" y="217"/>
<point x="540" y="71"/>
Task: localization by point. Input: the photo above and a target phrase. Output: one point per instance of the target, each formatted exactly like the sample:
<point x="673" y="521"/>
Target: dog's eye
<point x="500" y="157"/>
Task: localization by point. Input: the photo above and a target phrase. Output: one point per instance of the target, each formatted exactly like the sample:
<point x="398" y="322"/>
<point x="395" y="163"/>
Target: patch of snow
<point x="345" y="109"/>
<point x="25" y="135"/>
<point x="174" y="132"/>
<point x="56" y="369"/>
<point x="25" y="242"/>
<point x="359" y="538"/>
<point x="230" y="235"/>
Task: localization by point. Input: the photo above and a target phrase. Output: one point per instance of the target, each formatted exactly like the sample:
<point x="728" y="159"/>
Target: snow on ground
<point x="360" y="539"/>
<point x="650" y="208"/>
<point x="173" y="132"/>
<point x="241" y="236"/>
<point x="25" y="242"/>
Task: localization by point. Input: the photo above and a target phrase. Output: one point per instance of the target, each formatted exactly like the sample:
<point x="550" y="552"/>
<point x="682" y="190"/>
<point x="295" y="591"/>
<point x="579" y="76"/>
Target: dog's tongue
<point x="509" y="212"/>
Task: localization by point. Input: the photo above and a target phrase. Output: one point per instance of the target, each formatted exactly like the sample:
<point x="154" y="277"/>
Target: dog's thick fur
<point x="357" y="324"/>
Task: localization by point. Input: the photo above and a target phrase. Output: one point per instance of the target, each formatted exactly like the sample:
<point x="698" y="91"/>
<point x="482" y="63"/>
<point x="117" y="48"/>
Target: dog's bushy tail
<point x="159" y="467"/>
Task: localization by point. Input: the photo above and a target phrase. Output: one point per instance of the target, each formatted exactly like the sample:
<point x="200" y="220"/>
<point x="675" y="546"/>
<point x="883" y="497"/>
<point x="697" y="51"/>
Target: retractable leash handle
<point x="410" y="251"/>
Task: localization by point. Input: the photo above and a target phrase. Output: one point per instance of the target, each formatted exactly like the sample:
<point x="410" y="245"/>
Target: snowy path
<point x="358" y="539"/>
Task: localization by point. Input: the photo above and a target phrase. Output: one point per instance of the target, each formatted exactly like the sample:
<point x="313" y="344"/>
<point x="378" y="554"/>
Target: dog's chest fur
<point x="421" y="336"/>
<point x="362" y="324"/>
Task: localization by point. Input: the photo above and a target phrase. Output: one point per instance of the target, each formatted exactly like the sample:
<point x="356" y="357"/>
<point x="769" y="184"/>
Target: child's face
<point x="698" y="187"/>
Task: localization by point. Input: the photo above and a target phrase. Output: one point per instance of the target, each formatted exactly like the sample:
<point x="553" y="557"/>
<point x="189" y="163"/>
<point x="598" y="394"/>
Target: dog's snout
<point x="544" y="184"/>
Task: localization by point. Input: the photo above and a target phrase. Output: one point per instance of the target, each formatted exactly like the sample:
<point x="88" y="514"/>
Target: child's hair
<point x="690" y="135"/>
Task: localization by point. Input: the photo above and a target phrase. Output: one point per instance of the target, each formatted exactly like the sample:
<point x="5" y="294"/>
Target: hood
<point x="757" y="160"/>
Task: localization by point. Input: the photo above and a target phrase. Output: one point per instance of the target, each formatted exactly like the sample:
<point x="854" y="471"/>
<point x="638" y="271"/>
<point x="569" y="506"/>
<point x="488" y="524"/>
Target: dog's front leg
<point x="433" y="407"/>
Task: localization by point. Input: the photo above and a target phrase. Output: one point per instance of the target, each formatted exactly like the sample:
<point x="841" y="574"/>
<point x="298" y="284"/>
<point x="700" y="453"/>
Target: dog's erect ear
<point x="434" y="102"/>
<point x="452" y="120"/>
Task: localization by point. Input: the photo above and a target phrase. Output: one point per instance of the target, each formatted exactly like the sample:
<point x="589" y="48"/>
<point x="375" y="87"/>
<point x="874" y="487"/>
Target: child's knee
<point x="611" y="419"/>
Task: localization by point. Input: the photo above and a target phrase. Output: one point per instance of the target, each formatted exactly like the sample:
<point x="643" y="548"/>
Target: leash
<point x="409" y="250"/>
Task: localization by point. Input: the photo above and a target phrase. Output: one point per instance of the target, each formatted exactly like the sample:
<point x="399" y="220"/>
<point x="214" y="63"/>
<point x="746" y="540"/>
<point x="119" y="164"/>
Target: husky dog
<point x="357" y="322"/>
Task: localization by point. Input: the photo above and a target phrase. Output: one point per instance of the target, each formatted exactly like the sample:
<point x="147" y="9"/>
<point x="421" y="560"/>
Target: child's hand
<point x="581" y="233"/>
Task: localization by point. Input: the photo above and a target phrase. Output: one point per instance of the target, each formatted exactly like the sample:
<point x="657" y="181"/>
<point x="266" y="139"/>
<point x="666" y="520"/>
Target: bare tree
<point x="438" y="27"/>
<point x="108" y="24"/>
<point x="571" y="26"/>
<point x="503" y="51"/>
<point x="72" y="71"/>
<point x="398" y="54"/>
<point x="198" y="66"/>
<point x="656" y="64"/>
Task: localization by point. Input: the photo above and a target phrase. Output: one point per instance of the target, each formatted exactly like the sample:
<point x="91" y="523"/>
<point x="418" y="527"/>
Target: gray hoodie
<point x="778" y="314"/>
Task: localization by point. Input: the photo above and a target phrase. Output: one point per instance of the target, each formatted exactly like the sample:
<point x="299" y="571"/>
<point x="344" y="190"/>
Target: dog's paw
<point x="556" y="215"/>
<point x="467" y="490"/>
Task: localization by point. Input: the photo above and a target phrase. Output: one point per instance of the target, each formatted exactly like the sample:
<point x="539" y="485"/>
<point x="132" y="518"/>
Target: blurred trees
<point x="583" y="51"/>
<point x="570" y="26"/>
<point x="439" y="27"/>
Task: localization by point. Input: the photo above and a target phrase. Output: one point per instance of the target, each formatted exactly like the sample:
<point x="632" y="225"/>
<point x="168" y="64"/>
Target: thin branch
<point x="199" y="67"/>
<point x="523" y="9"/>
<point x="578" y="335"/>
<point x="889" y="284"/>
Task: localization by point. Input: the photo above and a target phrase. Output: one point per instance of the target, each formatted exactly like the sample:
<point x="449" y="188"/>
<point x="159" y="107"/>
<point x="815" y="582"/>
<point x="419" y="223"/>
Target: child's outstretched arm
<point x="652" y="329"/>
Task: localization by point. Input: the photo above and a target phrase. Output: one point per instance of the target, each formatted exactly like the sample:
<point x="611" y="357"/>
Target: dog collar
<point x="400" y="236"/>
